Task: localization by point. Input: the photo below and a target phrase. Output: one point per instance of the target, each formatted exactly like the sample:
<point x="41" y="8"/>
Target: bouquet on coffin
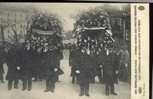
<point x="93" y="31"/>
<point x="45" y="33"/>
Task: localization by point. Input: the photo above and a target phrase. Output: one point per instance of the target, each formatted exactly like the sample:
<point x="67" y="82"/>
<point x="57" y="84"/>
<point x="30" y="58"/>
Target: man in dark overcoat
<point x="59" y="58"/>
<point x="37" y="66"/>
<point x="50" y="63"/>
<point x="124" y="70"/>
<point x="110" y="71"/>
<point x="99" y="65"/>
<point x="72" y="62"/>
<point x="27" y="67"/>
<point x="84" y="71"/>
<point x="2" y="59"/>
<point x="13" y="74"/>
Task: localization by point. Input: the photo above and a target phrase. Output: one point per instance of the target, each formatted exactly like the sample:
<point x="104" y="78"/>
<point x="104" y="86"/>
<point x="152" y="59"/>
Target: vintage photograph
<point x="65" y="51"/>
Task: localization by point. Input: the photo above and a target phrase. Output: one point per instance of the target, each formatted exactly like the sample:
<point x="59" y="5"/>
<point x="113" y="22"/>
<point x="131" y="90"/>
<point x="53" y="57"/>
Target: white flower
<point x="45" y="50"/>
<point x="80" y="40"/>
<point x="38" y="38"/>
<point x="97" y="53"/>
<point x="101" y="45"/>
<point x="107" y="52"/>
<point x="96" y="42"/>
<point x="101" y="16"/>
<point x="88" y="51"/>
<point x="28" y="47"/>
<point x="82" y="51"/>
<point x="46" y="44"/>
<point x="99" y="49"/>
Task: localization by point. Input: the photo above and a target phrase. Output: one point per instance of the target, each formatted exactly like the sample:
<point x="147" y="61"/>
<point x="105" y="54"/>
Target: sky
<point x="66" y="11"/>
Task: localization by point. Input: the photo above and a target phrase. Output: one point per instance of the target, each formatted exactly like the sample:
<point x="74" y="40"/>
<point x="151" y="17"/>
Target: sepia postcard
<point x="74" y="50"/>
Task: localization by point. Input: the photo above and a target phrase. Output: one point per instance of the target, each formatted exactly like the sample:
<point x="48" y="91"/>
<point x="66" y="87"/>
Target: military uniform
<point x="110" y="68"/>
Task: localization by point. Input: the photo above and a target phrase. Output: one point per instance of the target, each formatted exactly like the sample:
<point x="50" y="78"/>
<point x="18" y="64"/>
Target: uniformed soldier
<point x="110" y="71"/>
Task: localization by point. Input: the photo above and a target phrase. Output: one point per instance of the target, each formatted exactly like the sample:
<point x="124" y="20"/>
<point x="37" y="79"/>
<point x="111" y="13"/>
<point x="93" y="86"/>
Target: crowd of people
<point x="97" y="53"/>
<point x="24" y="64"/>
<point x="109" y="66"/>
<point x="39" y="55"/>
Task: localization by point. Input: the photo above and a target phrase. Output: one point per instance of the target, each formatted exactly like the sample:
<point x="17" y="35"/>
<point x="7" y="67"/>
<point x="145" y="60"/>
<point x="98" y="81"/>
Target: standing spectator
<point x="27" y="67"/>
<point x="13" y="68"/>
<point x="124" y="72"/>
<point x="59" y="58"/>
<point x="83" y="71"/>
<point x="99" y="67"/>
<point x="72" y="63"/>
<point x="110" y="71"/>
<point x="2" y="58"/>
<point x="51" y="64"/>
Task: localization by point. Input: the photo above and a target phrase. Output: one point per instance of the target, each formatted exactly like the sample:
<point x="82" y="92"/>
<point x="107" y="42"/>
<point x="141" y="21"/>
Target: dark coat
<point x="99" y="60"/>
<point x="1" y="72"/>
<point x="2" y="59"/>
<point x="72" y="57"/>
<point x="110" y="66"/>
<point x="85" y="66"/>
<point x="51" y="62"/>
<point x="73" y="61"/>
<point x="59" y="56"/>
<point x="2" y="56"/>
<point x="84" y="76"/>
<point x="29" y="60"/>
<point x="12" y="64"/>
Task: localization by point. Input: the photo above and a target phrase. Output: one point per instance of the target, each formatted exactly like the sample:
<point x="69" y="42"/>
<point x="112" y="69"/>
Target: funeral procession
<point x="38" y="53"/>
